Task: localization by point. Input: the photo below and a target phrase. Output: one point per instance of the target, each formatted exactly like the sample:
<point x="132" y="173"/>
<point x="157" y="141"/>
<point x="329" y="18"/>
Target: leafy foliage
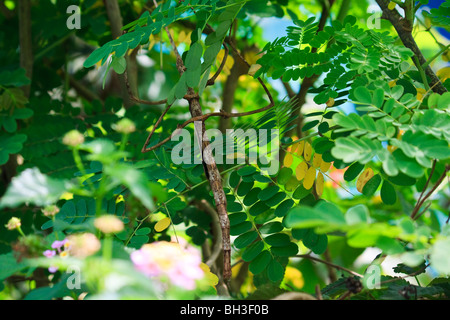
<point x="368" y="178"/>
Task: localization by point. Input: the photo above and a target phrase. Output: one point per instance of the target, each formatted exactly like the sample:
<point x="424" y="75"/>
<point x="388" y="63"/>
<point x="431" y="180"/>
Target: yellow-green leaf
<point x="309" y="178"/>
<point x="319" y="184"/>
<point x="300" y="171"/>
<point x="307" y="152"/>
<point x="317" y="160"/>
<point x="288" y="159"/>
<point x="162" y="224"/>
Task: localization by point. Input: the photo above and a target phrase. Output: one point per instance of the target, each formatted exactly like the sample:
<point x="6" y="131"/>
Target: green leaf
<point x="253" y="251"/>
<point x="276" y="199"/>
<point x="246" y="171"/>
<point x="236" y="218"/>
<point x="289" y="250"/>
<point x="284" y="175"/>
<point x="284" y="207"/>
<point x="234" y="179"/>
<point x="193" y="57"/>
<point x="357" y="214"/>
<point x="353" y="171"/>
<point x="268" y="193"/>
<point x="310" y="125"/>
<point x="193" y="77"/>
<point x="275" y="271"/>
<point x="33" y="187"/>
<point x="320" y="215"/>
<point x="301" y="192"/>
<point x="440" y="259"/>
<point x="260" y="262"/>
<point x="408" y="165"/>
<point x="23" y="113"/>
<point x="258" y="208"/>
<point x="251" y="197"/>
<point x="98" y="55"/>
<point x="244" y="188"/>
<point x="136" y="181"/>
<point x="372" y="185"/>
<point x="181" y="87"/>
<point x="277" y="240"/>
<point x="240" y="228"/>
<point x="119" y="64"/>
<point x="271" y="227"/>
<point x="362" y="94"/>
<point x="9" y="265"/>
<point x="245" y="239"/>
<point x="388" y="193"/>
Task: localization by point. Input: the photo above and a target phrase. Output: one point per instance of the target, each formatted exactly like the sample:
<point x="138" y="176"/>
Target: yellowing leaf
<point x="420" y="93"/>
<point x="307" y="152"/>
<point x="300" y="148"/>
<point x="213" y="280"/>
<point x="309" y="178"/>
<point x="300" y="171"/>
<point x="325" y="166"/>
<point x="293" y="148"/>
<point x="162" y="224"/>
<point x="317" y="160"/>
<point x="443" y="73"/>
<point x="330" y="102"/>
<point x="319" y="184"/>
<point x="294" y="276"/>
<point x="392" y="83"/>
<point x="363" y="178"/>
<point x="288" y="159"/>
<point x="251" y="56"/>
<point x="392" y="5"/>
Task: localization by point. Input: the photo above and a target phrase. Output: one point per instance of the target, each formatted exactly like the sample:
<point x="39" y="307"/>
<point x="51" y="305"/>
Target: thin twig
<point x="136" y="99"/>
<point x="308" y="256"/>
<point x="420" y="203"/>
<point x="155" y="127"/>
<point x="211" y="81"/>
<point x="203" y="118"/>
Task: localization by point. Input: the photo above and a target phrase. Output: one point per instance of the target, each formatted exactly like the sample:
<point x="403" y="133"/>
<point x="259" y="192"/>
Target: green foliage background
<point x="285" y="237"/>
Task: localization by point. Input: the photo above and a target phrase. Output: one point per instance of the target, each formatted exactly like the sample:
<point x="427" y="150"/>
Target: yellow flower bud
<point x="109" y="224"/>
<point x="73" y="138"/>
<point x="50" y="211"/>
<point x="13" y="223"/>
<point x="124" y="126"/>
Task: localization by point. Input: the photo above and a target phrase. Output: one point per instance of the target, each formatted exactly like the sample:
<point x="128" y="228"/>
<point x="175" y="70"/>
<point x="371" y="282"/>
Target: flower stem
<point x="107" y="247"/>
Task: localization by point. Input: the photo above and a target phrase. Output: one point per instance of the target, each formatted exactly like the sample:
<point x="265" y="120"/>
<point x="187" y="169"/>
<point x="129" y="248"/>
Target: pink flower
<point x="169" y="259"/>
<point x="52" y="269"/>
<point x="49" y="253"/>
<point x="58" y="244"/>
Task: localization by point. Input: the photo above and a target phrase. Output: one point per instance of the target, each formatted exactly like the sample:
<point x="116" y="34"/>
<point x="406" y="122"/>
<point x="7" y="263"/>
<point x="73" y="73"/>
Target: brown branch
<point x="26" y="45"/>
<point x="404" y="31"/>
<point x="211" y="81"/>
<point x="203" y="118"/>
<point x="143" y="150"/>
<point x="211" y="171"/>
<point x="115" y="21"/>
<point x="136" y="99"/>
<point x="422" y="200"/>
